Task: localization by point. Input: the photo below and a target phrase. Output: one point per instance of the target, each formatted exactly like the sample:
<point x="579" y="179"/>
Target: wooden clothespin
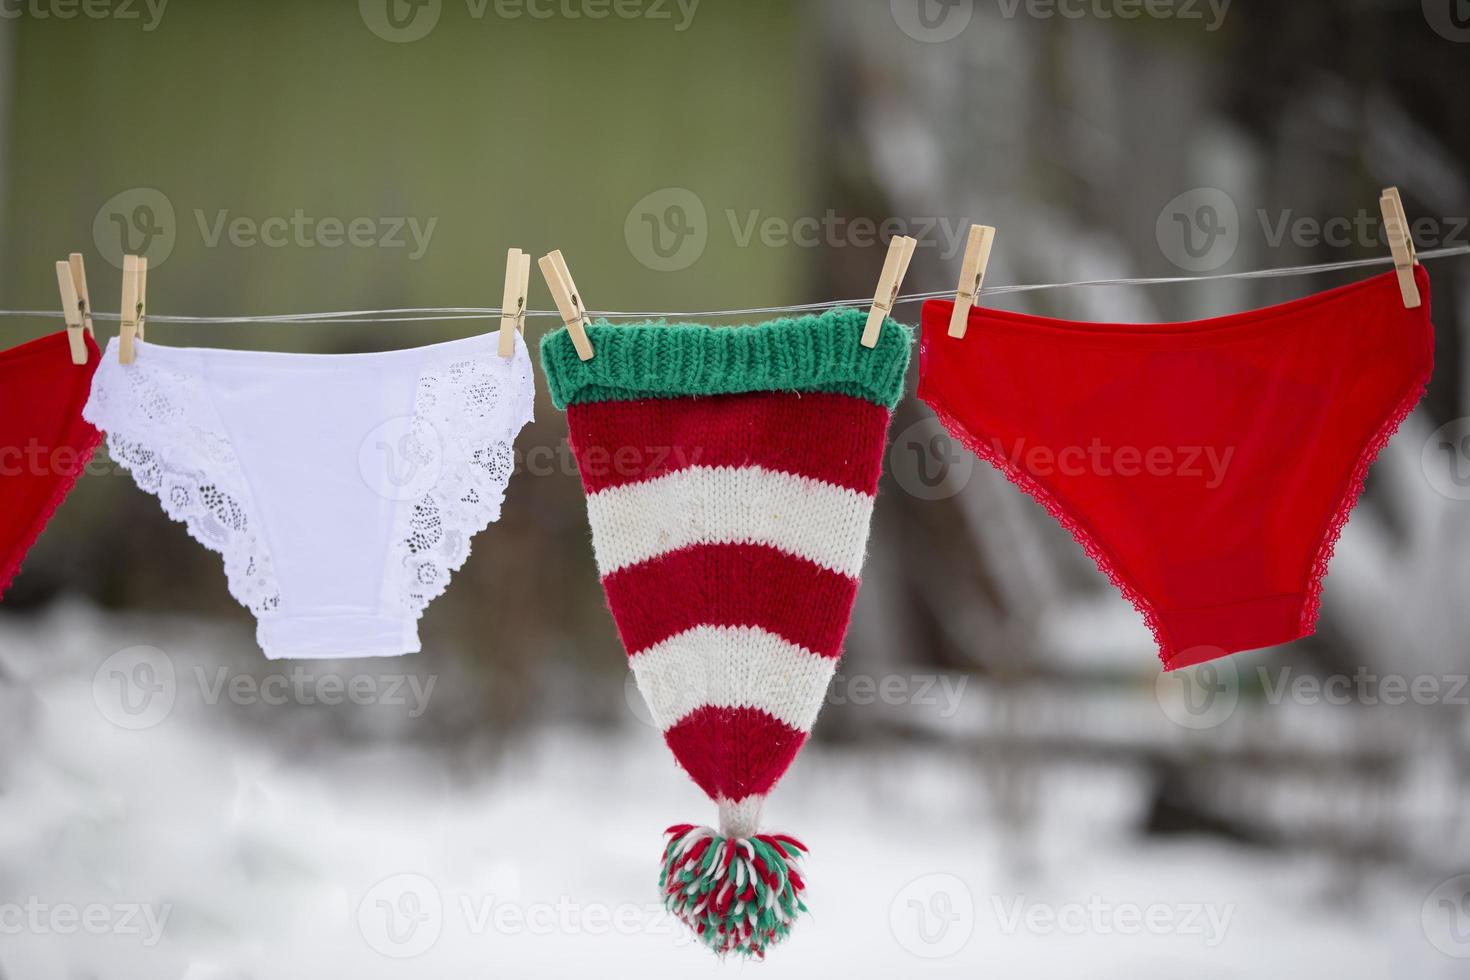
<point x="568" y="301"/>
<point x="513" y="303"/>
<point x="134" y="306"/>
<point x="895" y="267"/>
<point x="76" y="305"/>
<point x="1401" y="243"/>
<point x="972" y="277"/>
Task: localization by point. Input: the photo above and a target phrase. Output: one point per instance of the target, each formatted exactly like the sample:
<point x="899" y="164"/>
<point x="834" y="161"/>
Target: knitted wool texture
<point x="730" y="477"/>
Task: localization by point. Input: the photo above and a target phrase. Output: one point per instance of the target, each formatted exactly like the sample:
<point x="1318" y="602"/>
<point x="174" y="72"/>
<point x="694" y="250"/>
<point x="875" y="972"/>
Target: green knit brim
<point x="818" y="352"/>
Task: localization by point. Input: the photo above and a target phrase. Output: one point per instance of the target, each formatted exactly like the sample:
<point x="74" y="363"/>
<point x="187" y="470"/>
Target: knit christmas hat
<point x="730" y="477"/>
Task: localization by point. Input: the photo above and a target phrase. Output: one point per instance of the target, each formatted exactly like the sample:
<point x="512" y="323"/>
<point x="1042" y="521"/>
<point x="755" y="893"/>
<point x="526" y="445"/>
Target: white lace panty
<point x="342" y="490"/>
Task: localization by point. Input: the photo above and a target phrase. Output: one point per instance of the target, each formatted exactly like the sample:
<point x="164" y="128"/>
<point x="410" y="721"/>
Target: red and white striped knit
<point x="730" y="477"/>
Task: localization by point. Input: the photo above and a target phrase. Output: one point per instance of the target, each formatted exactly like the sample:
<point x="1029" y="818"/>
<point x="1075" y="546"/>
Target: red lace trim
<point x="1352" y="491"/>
<point x="1095" y="550"/>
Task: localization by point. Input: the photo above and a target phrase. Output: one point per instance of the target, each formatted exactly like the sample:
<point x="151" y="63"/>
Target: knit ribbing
<point x="819" y="352"/>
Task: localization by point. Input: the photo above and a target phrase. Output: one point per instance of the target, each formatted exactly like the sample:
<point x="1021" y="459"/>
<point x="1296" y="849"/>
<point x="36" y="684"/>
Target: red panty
<point x="1208" y="467"/>
<point x="44" y="442"/>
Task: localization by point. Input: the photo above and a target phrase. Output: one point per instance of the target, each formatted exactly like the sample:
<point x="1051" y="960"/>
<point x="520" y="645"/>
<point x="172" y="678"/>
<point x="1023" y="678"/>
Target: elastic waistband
<point x="813" y="353"/>
<point x="196" y="357"/>
<point x="1381" y="289"/>
<point x="49" y="344"/>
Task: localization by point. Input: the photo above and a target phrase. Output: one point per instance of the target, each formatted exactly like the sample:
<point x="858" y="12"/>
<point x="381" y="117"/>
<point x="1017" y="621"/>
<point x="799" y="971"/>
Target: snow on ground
<point x="202" y="844"/>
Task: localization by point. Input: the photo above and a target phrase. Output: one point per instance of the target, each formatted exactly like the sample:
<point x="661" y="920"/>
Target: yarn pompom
<point x="738" y="894"/>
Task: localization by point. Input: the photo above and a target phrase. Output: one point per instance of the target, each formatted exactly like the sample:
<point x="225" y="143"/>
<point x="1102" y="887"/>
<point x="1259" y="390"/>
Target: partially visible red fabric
<point x="45" y="444"/>
<point x="1207" y="467"/>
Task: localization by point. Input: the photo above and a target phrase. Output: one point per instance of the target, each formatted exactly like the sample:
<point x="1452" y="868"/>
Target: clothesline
<point x="419" y="314"/>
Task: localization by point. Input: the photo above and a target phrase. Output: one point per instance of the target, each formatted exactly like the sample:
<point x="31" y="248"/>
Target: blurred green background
<point x="502" y="132"/>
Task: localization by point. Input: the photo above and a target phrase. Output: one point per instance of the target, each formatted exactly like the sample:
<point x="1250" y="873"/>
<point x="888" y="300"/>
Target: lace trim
<point x="162" y="428"/>
<point x="11" y="568"/>
<point x="467" y="413"/>
<point x="1094" y="549"/>
<point x="1351" y="493"/>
